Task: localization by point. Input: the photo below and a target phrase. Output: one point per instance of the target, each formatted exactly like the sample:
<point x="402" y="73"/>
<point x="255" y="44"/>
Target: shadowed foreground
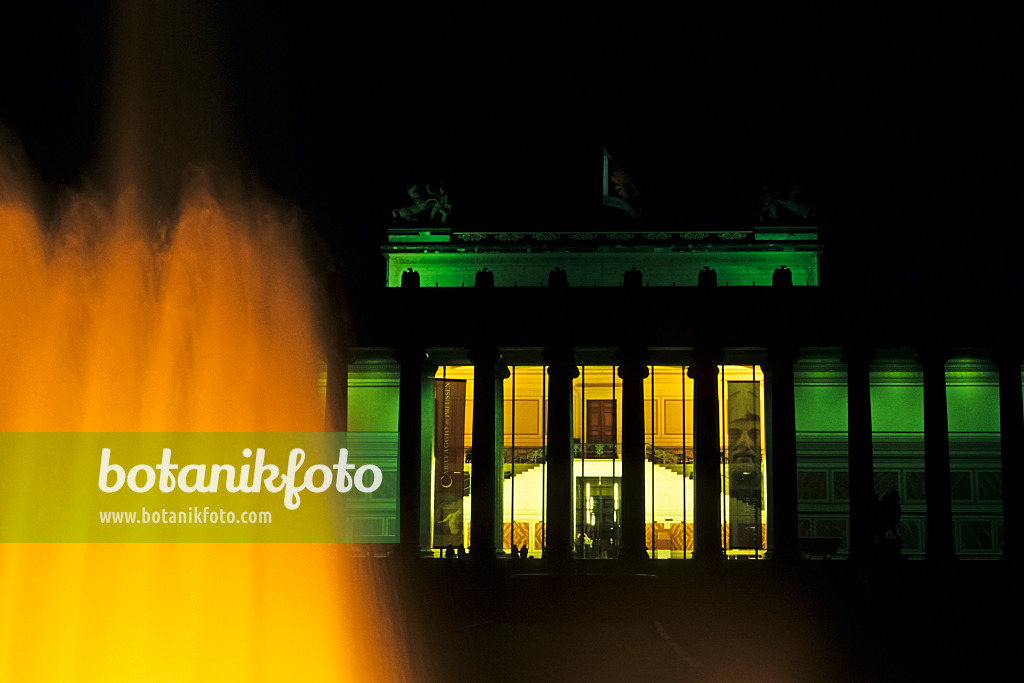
<point x="809" y="621"/>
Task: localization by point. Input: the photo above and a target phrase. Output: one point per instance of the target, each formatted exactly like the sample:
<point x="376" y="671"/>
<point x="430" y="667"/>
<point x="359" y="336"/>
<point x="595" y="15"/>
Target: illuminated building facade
<point x="682" y="395"/>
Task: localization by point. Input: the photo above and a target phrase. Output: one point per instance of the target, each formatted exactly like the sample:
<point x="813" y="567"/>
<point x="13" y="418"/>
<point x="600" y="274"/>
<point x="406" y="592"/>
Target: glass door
<point x="597" y="517"/>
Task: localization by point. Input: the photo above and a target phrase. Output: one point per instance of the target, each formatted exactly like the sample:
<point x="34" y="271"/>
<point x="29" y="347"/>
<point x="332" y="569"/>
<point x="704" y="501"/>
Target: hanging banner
<point x="744" y="454"/>
<point x="449" y="461"/>
<point x="619" y="190"/>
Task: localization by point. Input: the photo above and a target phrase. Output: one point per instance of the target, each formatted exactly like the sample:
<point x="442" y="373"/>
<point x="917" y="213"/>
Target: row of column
<point x="703" y="370"/>
<point x="415" y="411"/>
<point x="939" y="545"/>
<point x="489" y="370"/>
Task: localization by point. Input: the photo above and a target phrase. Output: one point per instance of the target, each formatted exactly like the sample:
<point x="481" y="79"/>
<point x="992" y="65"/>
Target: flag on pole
<point x="619" y="190"/>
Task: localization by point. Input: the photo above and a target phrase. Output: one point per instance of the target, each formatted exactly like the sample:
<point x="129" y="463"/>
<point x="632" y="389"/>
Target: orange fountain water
<point x="207" y="323"/>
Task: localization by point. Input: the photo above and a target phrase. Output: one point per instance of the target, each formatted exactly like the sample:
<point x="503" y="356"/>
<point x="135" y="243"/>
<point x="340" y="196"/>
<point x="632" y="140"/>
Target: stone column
<point x="938" y="496"/>
<point x="633" y="370"/>
<point x="336" y="414"/>
<point x="415" y="409"/>
<point x="561" y="372"/>
<point x="1011" y="432"/>
<point x="860" y="453"/>
<point x="783" y="533"/>
<point x="339" y="355"/>
<point x="707" y="457"/>
<point x="488" y="452"/>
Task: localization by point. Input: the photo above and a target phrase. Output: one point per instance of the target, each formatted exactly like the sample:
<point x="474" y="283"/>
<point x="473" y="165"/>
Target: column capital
<point x="484" y="355"/>
<point x="857" y="353"/>
<point x="782" y="353"/>
<point x="633" y="358"/>
<point x="410" y="355"/>
<point x="560" y="358"/>
<point x="632" y="371"/>
<point x="933" y="354"/>
<point x="706" y="358"/>
<point x="1006" y="354"/>
<point x="345" y="354"/>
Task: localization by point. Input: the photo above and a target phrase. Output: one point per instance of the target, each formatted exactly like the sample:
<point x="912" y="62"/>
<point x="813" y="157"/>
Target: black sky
<point x="900" y="125"/>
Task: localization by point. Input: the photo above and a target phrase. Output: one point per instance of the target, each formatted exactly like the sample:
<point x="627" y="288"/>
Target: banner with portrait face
<point x="449" y="461"/>
<point x="744" y="457"/>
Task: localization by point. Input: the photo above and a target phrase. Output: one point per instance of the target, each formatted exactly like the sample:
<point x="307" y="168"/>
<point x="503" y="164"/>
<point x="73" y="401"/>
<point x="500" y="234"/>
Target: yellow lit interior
<point x="668" y="420"/>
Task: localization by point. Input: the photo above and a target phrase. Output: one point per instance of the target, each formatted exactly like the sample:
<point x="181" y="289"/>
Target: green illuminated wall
<point x="897" y="425"/>
<point x="822" y="467"/>
<point x="972" y="400"/>
<point x="897" y="419"/>
<point x="972" y="407"/>
<point x="373" y="395"/>
<point x="897" y="408"/>
<point x="604" y="268"/>
<point x="822" y="441"/>
<point x="821" y="407"/>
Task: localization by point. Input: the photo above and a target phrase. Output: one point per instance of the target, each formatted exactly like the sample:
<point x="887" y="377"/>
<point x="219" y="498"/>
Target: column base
<point x="412" y="553"/>
<point x="557" y="557"/>
<point x="483" y="554"/>
<point x="783" y="555"/>
<point x="633" y="555"/>
<point x="708" y="556"/>
<point x="941" y="558"/>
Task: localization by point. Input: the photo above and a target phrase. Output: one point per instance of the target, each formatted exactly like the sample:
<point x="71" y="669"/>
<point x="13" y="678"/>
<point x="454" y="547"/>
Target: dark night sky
<point x="898" y="124"/>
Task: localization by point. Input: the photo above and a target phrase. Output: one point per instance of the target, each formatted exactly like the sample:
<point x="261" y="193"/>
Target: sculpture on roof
<point x="785" y="196"/>
<point x="436" y="202"/>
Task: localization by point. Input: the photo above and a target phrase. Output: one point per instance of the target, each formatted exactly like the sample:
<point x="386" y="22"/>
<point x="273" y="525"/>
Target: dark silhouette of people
<point x="524" y="552"/>
<point x="410" y="278"/>
<point x="782" y="277"/>
<point x="707" y="277"/>
<point x="558" y="278"/>
<point x="449" y="552"/>
<point x="515" y="551"/>
<point x="484" y="278"/>
<point x="633" y="278"/>
<point x="887" y="516"/>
